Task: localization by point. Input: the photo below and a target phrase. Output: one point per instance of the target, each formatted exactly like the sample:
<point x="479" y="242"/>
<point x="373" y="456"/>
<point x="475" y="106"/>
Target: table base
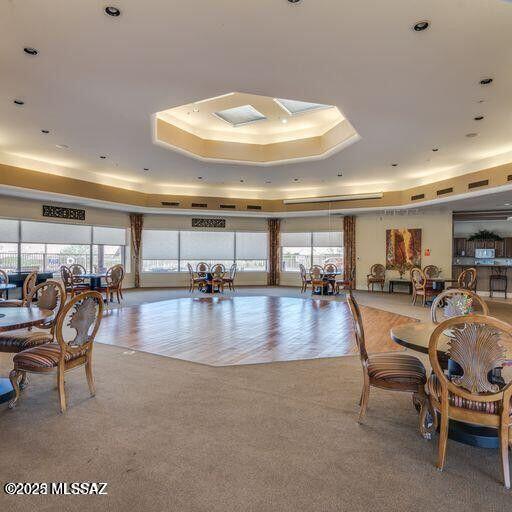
<point x="6" y="390"/>
<point x="474" y="435"/>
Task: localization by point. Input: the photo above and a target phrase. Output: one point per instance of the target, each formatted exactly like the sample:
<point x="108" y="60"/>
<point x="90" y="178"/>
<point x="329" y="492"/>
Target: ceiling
<point x="97" y="81"/>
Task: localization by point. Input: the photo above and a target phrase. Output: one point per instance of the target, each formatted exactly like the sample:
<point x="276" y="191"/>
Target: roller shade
<point x="207" y="245"/>
<point x="53" y="233"/>
<point x="9" y="230"/>
<point x="108" y="236"/>
<point x="251" y="246"/>
<point x="159" y="244"/>
<point x="327" y="239"/>
<point x="296" y="239"/>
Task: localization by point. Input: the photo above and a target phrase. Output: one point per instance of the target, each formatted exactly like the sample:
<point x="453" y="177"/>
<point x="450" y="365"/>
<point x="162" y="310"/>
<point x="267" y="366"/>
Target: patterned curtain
<point x="349" y="243"/>
<point x="136" y="223"/>
<point x="274" y="231"/>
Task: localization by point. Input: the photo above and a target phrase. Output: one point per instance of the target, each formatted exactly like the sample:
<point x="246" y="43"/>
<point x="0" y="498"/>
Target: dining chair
<point x="230" y="280"/>
<point x="113" y="283"/>
<point x="76" y="327"/>
<point x="330" y="271"/>
<point x="193" y="280"/>
<point x="377" y="275"/>
<point x="472" y="395"/>
<point x="28" y="285"/>
<point x="48" y="295"/>
<point x="467" y="279"/>
<point x="71" y="287"/>
<point x="4" y="279"/>
<point x="420" y="286"/>
<point x="202" y="269"/>
<point x="305" y="280"/>
<point x="395" y="372"/>
<point x="316" y="276"/>
<point x="77" y="270"/>
<point x="456" y="302"/>
<point x="218" y="272"/>
<point x="346" y="282"/>
<point x="431" y="271"/>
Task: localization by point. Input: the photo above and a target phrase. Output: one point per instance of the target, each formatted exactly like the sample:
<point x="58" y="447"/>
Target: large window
<point x="45" y="246"/>
<point x="308" y="249"/>
<point x="171" y="251"/>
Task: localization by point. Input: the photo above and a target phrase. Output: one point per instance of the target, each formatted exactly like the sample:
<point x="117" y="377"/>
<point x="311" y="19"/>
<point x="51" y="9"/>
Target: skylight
<point x="294" y="107"/>
<point x="238" y="116"/>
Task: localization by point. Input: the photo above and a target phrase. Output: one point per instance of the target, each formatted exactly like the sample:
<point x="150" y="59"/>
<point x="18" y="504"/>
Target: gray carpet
<point x="172" y="435"/>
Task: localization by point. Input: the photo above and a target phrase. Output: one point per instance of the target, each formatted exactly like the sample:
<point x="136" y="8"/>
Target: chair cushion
<point x="16" y="341"/>
<point x="434" y="388"/>
<point x="42" y="358"/>
<point x="376" y="279"/>
<point x="401" y="368"/>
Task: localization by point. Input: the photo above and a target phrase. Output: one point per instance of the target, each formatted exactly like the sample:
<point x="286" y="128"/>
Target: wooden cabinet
<point x="499" y="248"/>
<point x="459" y="246"/>
<point x="464" y="247"/>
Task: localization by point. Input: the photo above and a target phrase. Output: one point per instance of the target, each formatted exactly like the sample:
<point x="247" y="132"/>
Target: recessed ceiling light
<point x="30" y="51"/>
<point x="112" y="11"/>
<point x="294" y="1"/>
<point x="478" y="118"/>
<point x="146" y="168"/>
<point x="420" y="26"/>
<point x="241" y="181"/>
<point x="268" y="182"/>
<point x="103" y="157"/>
<point x="296" y="180"/>
<point x="284" y="120"/>
<point x="486" y="81"/>
<point x="199" y="177"/>
<point x="394" y="165"/>
<point x="19" y="102"/>
<point x="471" y="135"/>
<point x="45" y="131"/>
<point x="196" y="108"/>
<point x="62" y="146"/>
<point x="340" y="174"/>
<point x="435" y="149"/>
<point x="480" y="101"/>
<point x="506" y="204"/>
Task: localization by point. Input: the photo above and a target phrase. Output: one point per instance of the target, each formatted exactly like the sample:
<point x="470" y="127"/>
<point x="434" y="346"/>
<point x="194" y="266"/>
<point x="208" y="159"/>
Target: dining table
<point x="12" y="318"/>
<point x="416" y="336"/>
<point x="94" y="279"/>
<point x="5" y="287"/>
<point x="327" y="278"/>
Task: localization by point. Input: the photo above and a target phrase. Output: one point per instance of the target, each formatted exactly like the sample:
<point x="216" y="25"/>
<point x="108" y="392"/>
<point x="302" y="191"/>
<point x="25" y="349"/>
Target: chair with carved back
<point x="330" y="271"/>
<point x="420" y="286"/>
<point x="316" y="276"/>
<point x="472" y="394"/>
<point x="467" y="279"/>
<point x="4" y="279"/>
<point x="346" y="282"/>
<point x="202" y="269"/>
<point x="77" y="270"/>
<point x="305" y="280"/>
<point x="230" y="279"/>
<point x="28" y="285"/>
<point x="75" y="330"/>
<point x="431" y="271"/>
<point x="47" y="295"/>
<point x="113" y="283"/>
<point x="377" y="275"/>
<point x="193" y="280"/>
<point x="71" y="287"/>
<point x="395" y="372"/>
<point x="218" y="273"/>
<point x="456" y="302"/>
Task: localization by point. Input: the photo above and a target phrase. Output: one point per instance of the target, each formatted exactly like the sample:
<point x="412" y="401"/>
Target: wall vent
<point x="477" y="184"/>
<point x="170" y="203"/>
<point x="418" y="196"/>
<point x="209" y="223"/>
<point x="199" y="205"/>
<point x="509" y="177"/>
<point x="253" y="207"/>
<point x="445" y="191"/>
<point x="227" y="206"/>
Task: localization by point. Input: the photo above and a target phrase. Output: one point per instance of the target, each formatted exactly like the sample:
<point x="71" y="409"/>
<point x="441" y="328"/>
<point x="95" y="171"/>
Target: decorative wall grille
<point x="63" y="213"/>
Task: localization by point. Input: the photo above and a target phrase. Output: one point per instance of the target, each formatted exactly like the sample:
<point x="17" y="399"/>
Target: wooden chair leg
<point x="89" y="375"/>
<point x="24" y="380"/>
<point x="365" y="395"/>
<point x="504" y="447"/>
<point x="62" y="391"/>
<point x="443" y="440"/>
<point x="14" y="378"/>
<point x="423" y="401"/>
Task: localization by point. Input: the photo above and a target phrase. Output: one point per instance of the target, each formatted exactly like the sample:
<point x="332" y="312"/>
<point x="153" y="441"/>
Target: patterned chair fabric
<point x="401" y="368"/>
<point x="43" y="358"/>
<point x="17" y="341"/>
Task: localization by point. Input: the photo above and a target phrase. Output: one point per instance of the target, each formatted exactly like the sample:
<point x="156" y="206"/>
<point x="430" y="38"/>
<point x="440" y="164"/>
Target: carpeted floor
<point x="169" y="435"/>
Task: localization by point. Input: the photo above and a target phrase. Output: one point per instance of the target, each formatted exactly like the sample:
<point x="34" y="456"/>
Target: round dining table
<point x="5" y="287"/>
<point x="19" y="318"/>
<point x="416" y="336"/>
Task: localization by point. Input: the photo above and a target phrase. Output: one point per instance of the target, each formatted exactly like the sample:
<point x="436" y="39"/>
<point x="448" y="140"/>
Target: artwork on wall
<point x="403" y="249"/>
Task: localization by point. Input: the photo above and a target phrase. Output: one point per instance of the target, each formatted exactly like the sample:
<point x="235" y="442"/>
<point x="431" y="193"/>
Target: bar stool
<point x="498" y="281"/>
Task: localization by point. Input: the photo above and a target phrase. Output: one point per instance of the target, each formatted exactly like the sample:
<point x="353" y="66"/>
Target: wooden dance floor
<point x="223" y="331"/>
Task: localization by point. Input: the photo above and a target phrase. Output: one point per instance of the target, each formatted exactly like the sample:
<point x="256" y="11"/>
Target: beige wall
<point x="371" y="229"/>
<point x="468" y="228"/>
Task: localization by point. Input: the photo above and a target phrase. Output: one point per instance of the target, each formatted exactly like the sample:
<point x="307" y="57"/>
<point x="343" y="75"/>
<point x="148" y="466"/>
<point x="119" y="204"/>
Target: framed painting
<point x="403" y="249"/>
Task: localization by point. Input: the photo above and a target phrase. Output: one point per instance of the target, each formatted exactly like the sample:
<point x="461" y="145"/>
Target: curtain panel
<point x="136" y="223"/>
<point x="274" y="231"/>
<point x="349" y="242"/>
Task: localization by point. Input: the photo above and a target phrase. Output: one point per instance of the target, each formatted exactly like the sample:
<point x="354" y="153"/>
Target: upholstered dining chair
<point x="48" y="295"/>
<point x="113" y="283"/>
<point x="467" y="279"/>
<point x="330" y="271"/>
<point x="395" y="372"/>
<point x="202" y="269"/>
<point x="431" y="271"/>
<point x="346" y="282"/>
<point x="28" y="285"/>
<point x="76" y="327"/>
<point x="456" y="302"/>
<point x="230" y="279"/>
<point x="71" y="287"/>
<point x="420" y="286"/>
<point x="218" y="273"/>
<point x="377" y="275"/>
<point x="305" y="280"/>
<point x="4" y="279"/>
<point x="316" y="276"/>
<point x="77" y="270"/>
<point x="193" y="280"/>
<point x="471" y="396"/>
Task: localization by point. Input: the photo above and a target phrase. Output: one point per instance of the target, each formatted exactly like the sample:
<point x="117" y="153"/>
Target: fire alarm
<point x="427" y="252"/>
